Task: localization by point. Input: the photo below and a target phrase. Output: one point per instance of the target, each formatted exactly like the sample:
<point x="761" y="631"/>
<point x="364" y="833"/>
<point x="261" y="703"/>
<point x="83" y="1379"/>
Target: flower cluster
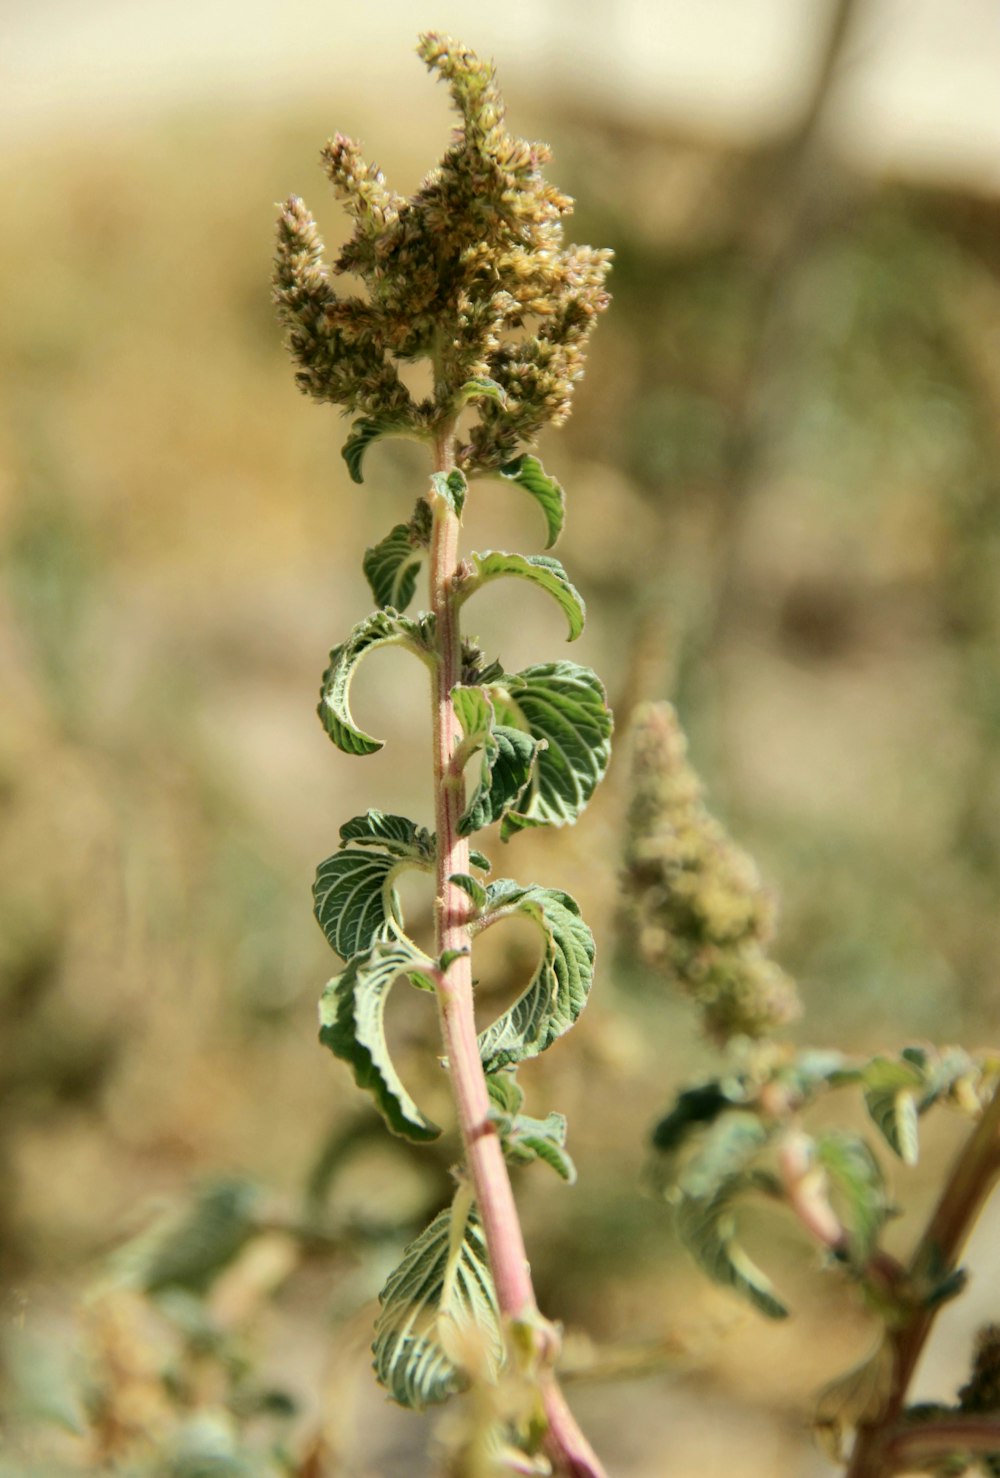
<point x="695" y="905"/>
<point x="472" y="273"/>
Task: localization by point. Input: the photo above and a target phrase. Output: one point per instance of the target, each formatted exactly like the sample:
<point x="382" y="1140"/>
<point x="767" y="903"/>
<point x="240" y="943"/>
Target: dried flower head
<point x="471" y="273"/>
<point x="695" y="906"/>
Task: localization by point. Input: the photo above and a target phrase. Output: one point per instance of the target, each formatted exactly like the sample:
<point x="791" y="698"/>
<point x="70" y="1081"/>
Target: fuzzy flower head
<point x="695" y="908"/>
<point x="472" y="273"/>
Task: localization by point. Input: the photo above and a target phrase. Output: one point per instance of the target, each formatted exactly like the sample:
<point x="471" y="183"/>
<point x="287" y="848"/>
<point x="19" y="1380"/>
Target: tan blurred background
<point x="784" y="511"/>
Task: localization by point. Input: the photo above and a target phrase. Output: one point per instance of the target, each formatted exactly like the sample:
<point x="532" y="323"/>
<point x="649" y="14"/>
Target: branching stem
<point x="487" y="1168"/>
<point x="884" y="1447"/>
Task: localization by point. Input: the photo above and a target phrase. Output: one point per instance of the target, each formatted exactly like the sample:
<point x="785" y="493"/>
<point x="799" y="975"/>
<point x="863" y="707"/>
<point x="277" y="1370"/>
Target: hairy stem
<point x="965" y="1192"/>
<point x="484" y="1157"/>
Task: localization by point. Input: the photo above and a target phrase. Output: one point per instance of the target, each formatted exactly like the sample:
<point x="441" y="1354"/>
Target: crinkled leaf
<point x="353" y="898"/>
<point x="452" y="487"/>
<point x="391" y="567"/>
<point x="706" y="1226"/>
<point x="563" y="707"/>
<point x="855" y="1174"/>
<point x="380" y="629"/>
<point x="529" y="474"/>
<point x="443" y="1279"/>
<point x="558" y="990"/>
<point x="480" y="860"/>
<point x="507" y="758"/>
<point x="471" y="886"/>
<point x="352" y="1025"/>
<point x="362" y="434"/>
<point x="394" y="834"/>
<point x="890" y="1094"/>
<point x="541" y="570"/>
<point x="483" y="388"/>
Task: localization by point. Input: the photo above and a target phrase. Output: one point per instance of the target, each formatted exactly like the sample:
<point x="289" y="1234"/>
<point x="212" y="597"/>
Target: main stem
<point x="484" y="1159"/>
<point x="880" y="1448"/>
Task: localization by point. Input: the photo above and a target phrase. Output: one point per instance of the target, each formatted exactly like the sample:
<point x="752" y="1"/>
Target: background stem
<point x="965" y="1192"/>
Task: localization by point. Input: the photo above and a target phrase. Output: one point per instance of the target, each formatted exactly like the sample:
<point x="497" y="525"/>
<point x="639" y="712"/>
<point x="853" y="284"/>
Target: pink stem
<point x="484" y="1156"/>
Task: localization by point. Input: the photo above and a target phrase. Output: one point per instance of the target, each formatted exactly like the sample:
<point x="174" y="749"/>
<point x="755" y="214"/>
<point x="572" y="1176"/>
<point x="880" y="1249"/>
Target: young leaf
<point x="391" y="567"/>
<point x="855" y="1173"/>
<point x="480" y="860"/>
<point x="363" y="433"/>
<point x="452" y="487"/>
<point x="352" y="1025"/>
<point x="525" y="1139"/>
<point x="506" y="1094"/>
<point x="891" y="1090"/>
<point x="558" y="990"/>
<point x="443" y="1279"/>
<point x="380" y="629"/>
<point x="471" y="886"/>
<point x="563" y="707"/>
<point x="508" y="755"/>
<point x="395" y="834"/>
<point x="529" y="474"/>
<point x="541" y="570"/>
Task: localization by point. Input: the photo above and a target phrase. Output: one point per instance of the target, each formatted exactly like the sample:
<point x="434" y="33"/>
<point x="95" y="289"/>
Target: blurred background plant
<point x="784" y="468"/>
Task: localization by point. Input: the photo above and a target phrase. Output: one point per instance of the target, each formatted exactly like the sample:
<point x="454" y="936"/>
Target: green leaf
<point x="891" y="1090"/>
<point x="353" y="899"/>
<point x="483" y="388"/>
<point x="563" y="707"/>
<point x="188" y="1249"/>
<point x="707" y="1228"/>
<point x="471" y="886"/>
<point x="452" y="487"/>
<point x="856" y="1175"/>
<point x="508" y="756"/>
<point x="380" y="629"/>
<point x="352" y="1025"/>
<point x="529" y="474"/>
<point x="695" y="1109"/>
<point x="480" y="860"/>
<point x="704" y="1193"/>
<point x="541" y="570"/>
<point x="726" y="1150"/>
<point x="391" y="567"/>
<point x="558" y="990"/>
<point x="443" y="1280"/>
<point x="394" y="834"/>
<point x="363" y="433"/>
